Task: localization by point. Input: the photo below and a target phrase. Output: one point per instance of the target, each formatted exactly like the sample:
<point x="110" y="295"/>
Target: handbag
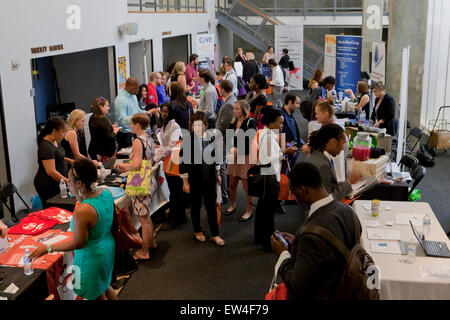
<point x="171" y="163"/>
<point x="139" y="181"/>
<point x="261" y="185"/>
<point x="124" y="232"/>
<point x="276" y="291"/>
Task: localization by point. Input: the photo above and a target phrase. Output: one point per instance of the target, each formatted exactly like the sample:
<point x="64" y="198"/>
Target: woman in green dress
<point x="92" y="241"/>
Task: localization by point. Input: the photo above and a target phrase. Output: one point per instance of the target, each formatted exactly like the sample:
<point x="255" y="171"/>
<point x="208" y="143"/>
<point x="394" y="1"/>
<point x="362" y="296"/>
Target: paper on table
<point x="382" y="234"/>
<point x="358" y="185"/>
<point x="12" y="288"/>
<point x="391" y="247"/>
<point x="435" y="273"/>
<point x="403" y="219"/>
<point x="371" y="224"/>
<point x="125" y="151"/>
<point x="3" y="244"/>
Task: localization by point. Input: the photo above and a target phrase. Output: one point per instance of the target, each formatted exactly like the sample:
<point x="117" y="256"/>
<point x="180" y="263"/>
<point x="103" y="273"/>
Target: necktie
<point x="332" y="163"/>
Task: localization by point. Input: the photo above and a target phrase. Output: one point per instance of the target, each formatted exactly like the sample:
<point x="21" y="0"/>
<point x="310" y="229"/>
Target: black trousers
<point x="177" y="210"/>
<point x="204" y="190"/>
<point x="265" y="220"/>
<point x="124" y="140"/>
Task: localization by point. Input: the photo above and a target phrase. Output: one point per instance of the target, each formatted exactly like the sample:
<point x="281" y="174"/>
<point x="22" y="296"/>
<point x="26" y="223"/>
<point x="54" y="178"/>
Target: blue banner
<point x="348" y="62"/>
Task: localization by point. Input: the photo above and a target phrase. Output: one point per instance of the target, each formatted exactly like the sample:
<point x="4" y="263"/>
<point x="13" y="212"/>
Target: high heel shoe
<point x="246" y="219"/>
<point x="229" y="213"/>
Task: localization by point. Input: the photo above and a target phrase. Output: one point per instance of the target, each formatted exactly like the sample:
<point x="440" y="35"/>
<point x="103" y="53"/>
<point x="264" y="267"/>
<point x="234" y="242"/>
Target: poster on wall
<point x="291" y="37"/>
<point x="348" y="62"/>
<point x="330" y="56"/>
<point x="378" y="61"/>
<point x="205" y="49"/>
<point x="122" y="67"/>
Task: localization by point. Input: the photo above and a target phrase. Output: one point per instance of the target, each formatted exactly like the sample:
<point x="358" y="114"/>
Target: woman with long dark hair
<point x="103" y="133"/>
<point x="170" y="134"/>
<point x="182" y="107"/>
<point x="52" y="160"/>
<point x="142" y="94"/>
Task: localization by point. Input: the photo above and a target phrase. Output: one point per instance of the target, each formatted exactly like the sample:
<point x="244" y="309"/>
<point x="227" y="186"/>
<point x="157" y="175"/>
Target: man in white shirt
<point x="310" y="267"/>
<point x="277" y="83"/>
<point x="231" y="75"/>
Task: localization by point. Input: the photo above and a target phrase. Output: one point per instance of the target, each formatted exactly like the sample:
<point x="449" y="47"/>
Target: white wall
<point x="436" y="82"/>
<point x="32" y="23"/>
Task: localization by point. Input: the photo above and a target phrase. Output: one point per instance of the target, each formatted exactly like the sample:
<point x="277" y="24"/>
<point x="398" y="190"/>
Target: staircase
<point x="262" y="35"/>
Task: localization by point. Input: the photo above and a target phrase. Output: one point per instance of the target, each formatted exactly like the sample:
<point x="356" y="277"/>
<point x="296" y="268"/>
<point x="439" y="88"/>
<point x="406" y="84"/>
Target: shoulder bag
<point x="139" y="181"/>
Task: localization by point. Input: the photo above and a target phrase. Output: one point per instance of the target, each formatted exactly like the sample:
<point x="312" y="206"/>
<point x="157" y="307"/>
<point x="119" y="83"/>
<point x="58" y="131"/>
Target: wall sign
<point x="122" y="68"/>
<point x="379" y="61"/>
<point x="57" y="47"/>
<point x="348" y="62"/>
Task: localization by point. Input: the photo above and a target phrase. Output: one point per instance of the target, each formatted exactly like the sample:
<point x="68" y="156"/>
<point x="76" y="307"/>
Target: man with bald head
<point x="152" y="94"/>
<point x="125" y="106"/>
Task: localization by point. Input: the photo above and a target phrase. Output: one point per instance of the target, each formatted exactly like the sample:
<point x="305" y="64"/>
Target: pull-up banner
<point x="348" y="62"/>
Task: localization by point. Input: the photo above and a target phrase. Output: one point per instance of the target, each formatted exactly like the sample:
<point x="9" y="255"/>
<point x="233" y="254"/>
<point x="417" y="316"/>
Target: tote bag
<point x="139" y="181"/>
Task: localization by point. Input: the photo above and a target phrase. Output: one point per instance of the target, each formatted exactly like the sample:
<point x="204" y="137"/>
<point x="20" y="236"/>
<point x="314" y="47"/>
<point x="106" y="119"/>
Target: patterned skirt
<point x="141" y="205"/>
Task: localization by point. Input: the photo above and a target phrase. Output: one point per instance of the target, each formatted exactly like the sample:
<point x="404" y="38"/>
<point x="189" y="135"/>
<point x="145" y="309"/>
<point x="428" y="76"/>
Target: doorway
<point x="141" y="60"/>
<point x="176" y="49"/>
<point x="5" y="170"/>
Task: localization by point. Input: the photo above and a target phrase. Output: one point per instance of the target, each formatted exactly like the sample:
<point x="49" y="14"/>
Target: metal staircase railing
<point x="261" y="36"/>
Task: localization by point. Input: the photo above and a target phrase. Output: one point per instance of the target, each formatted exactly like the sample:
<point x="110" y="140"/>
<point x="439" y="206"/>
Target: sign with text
<point x="205" y="48"/>
<point x="291" y="37"/>
<point x="348" y="62"/>
<point x="330" y="56"/>
<point x="122" y="68"/>
<point x="379" y="61"/>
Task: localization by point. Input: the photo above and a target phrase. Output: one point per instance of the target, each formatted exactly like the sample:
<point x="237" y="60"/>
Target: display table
<point x="29" y="287"/>
<point x="399" y="280"/>
<point x="398" y="191"/>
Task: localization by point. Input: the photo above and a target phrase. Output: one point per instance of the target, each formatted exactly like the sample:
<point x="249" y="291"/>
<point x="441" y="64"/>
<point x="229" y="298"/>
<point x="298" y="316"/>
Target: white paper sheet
<point x="382" y="234"/>
<point x="435" y="273"/>
<point x="12" y="288"/>
<point x="359" y="185"/>
<point x="3" y="244"/>
<point x="371" y="224"/>
<point x="391" y="247"/>
<point x="403" y="219"/>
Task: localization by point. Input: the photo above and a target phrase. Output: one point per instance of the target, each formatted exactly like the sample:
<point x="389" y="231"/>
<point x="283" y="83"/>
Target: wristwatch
<point x="49" y="249"/>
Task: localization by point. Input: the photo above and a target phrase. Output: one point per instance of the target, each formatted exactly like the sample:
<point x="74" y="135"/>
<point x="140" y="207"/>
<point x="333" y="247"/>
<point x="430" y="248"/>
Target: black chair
<point x="7" y="192"/>
<point x="409" y="162"/>
<point x="416" y="133"/>
<point x="417" y="176"/>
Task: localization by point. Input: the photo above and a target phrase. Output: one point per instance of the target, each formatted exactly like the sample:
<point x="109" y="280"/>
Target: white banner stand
<point x="401" y="141"/>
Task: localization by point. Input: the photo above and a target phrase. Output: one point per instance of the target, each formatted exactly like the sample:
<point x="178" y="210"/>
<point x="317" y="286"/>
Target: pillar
<point x="372" y="29"/>
<point x="407" y="27"/>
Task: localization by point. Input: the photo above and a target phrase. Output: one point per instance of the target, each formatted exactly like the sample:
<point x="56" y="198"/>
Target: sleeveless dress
<point x="96" y="259"/>
<point x="141" y="204"/>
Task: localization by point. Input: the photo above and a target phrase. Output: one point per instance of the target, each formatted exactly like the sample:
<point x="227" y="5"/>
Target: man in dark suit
<point x="326" y="143"/>
<point x="310" y="267"/>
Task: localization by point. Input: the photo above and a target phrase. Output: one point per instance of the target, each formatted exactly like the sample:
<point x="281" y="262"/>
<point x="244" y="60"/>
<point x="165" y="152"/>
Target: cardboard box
<point x="372" y="167"/>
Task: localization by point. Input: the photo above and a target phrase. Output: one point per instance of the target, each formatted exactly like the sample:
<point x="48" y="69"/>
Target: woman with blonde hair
<point x="239" y="159"/>
<point x="251" y="68"/>
<point x="178" y="74"/>
<point x="74" y="143"/>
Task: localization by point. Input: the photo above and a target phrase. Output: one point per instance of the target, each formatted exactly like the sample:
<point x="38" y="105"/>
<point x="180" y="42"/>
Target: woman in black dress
<point x="51" y="159"/>
<point x="103" y="133"/>
<point x="384" y="111"/>
<point x="257" y="85"/>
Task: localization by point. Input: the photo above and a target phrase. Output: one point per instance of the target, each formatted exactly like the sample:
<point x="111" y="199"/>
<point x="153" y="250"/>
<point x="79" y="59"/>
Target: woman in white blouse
<point x="271" y="152"/>
<point x="168" y="135"/>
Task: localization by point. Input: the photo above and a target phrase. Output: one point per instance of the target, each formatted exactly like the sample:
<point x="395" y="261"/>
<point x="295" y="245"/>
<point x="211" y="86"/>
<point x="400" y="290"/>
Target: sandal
<point x="200" y="238"/>
<point x="219" y="241"/>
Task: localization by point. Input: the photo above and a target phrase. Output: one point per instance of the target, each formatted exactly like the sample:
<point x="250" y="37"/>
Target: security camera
<point x="129" y="29"/>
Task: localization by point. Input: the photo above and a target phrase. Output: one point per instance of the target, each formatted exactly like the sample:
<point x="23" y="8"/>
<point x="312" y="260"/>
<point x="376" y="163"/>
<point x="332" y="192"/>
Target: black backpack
<point x="425" y="158"/>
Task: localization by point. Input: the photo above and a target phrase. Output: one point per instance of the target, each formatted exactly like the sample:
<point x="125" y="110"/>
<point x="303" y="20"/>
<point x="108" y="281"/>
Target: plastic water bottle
<point x="363" y="116"/>
<point x="63" y="189"/>
<point x="102" y="173"/>
<point x="27" y="263"/>
<point x="426" y="225"/>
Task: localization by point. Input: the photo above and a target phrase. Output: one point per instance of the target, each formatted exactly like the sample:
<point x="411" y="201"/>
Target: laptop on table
<point x="432" y="248"/>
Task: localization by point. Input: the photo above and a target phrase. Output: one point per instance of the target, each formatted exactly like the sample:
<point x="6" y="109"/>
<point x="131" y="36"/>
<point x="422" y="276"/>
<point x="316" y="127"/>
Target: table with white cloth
<point x="400" y="280"/>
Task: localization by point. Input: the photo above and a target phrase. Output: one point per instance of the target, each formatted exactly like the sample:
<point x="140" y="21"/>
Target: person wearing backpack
<point x="231" y="75"/>
<point x="310" y="267"/>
